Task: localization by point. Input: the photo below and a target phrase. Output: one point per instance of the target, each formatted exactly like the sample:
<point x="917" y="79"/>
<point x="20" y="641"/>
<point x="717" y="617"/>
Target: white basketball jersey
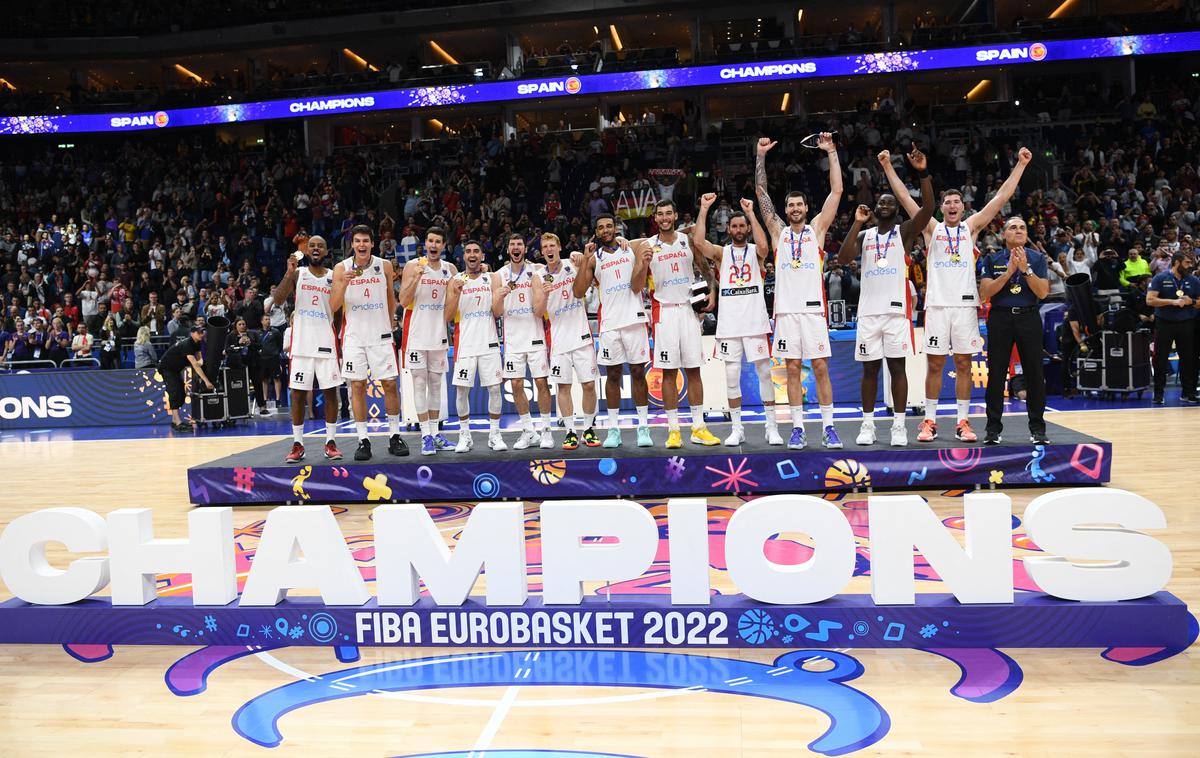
<point x="523" y="331"/>
<point x="312" y="322"/>
<point x="365" y="317"/>
<point x="951" y="267"/>
<point x="799" y="264"/>
<point x="424" y="320"/>
<point x="671" y="269"/>
<point x="475" y="333"/>
<point x="742" y="311"/>
<point x="569" y="327"/>
<point x="619" y="305"/>
<point x="884" y="289"/>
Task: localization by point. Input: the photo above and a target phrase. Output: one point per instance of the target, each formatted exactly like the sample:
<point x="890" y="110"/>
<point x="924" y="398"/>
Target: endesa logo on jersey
<point x="332" y="104"/>
<point x="54" y="406"/>
<point x="159" y="119"/>
<point x="1034" y="52"/>
<point x="571" y="86"/>
<point x="773" y="69"/>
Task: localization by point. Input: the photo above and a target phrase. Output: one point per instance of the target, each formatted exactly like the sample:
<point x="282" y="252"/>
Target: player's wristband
<point x="923" y="173"/>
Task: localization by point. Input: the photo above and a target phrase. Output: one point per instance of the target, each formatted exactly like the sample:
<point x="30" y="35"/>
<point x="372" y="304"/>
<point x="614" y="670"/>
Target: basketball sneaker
<point x="428" y="446"/>
<point x="396" y="446"/>
<point x="465" y="443"/>
<point x="737" y="437"/>
<point x="525" y="440"/>
<point x="440" y="442"/>
<point x="773" y="437"/>
<point x="331" y="450"/>
<point x="296" y="455"/>
<point x="797" y="441"/>
<point x="702" y="436"/>
<point x="899" y="435"/>
<point x="674" y="439"/>
<point x="613" y="438"/>
<point x="866" y="433"/>
<point x="363" y="453"/>
<point x="496" y="441"/>
<point x="643" y="437"/>
<point x="927" y="431"/>
<point x="589" y="437"/>
<point x="830" y="438"/>
<point x="547" y="440"/>
<point x="571" y="441"/>
<point x="964" y="433"/>
<point x="992" y="438"/>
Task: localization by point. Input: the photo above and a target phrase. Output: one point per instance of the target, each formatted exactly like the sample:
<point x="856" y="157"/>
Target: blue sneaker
<point x="797" y="441"/>
<point x="643" y="437"/>
<point x="614" y="438"/>
<point x="441" y="442"/>
<point x="830" y="438"/>
<point x="428" y="446"/>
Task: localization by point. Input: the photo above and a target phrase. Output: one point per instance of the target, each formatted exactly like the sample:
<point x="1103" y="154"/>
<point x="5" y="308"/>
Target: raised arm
<point x="988" y="212"/>
<point x="899" y="189"/>
<point x="587" y="271"/>
<point x="833" y="200"/>
<point x="774" y="223"/>
<point x="850" y="245"/>
<point x="699" y="233"/>
<point x="288" y="285"/>
<point x="761" y="246"/>
<point x="915" y="225"/>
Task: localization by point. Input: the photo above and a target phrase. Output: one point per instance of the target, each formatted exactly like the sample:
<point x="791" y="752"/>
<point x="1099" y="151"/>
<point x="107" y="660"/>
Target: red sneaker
<point x="296" y="455"/>
<point x="964" y="432"/>
<point x="927" y="431"/>
<point x="331" y="451"/>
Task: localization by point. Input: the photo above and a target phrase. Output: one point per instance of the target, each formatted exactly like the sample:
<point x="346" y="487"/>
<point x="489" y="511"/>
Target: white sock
<point x="298" y="433"/>
<point x="427" y="428"/>
<point x="330" y="431"/>
<point x="769" y="410"/>
<point x="736" y="415"/>
<point x="588" y="420"/>
<point x="897" y="420"/>
<point x="797" y="416"/>
<point x="614" y="417"/>
<point x="964" y="409"/>
<point x="545" y="421"/>
<point x="526" y="423"/>
<point x="698" y="416"/>
<point x="931" y="409"/>
<point x="393" y="424"/>
<point x="673" y="419"/>
<point x="869" y="416"/>
<point x="568" y="422"/>
<point x="361" y="428"/>
<point x="826" y="415"/>
<point x="464" y="428"/>
<point x="643" y="414"/>
<point x="494" y="425"/>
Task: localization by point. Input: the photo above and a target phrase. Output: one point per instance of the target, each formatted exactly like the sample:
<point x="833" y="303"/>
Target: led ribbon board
<point x="596" y="84"/>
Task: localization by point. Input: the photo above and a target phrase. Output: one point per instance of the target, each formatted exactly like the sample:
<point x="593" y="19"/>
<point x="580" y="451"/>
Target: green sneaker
<point x="613" y="439"/>
<point x="589" y="437"/>
<point x="643" y="437"/>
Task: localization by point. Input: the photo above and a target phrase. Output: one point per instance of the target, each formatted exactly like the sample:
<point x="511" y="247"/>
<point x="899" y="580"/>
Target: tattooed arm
<point x="770" y="217"/>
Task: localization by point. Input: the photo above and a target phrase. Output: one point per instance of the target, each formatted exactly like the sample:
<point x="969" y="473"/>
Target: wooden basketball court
<point x="139" y="701"/>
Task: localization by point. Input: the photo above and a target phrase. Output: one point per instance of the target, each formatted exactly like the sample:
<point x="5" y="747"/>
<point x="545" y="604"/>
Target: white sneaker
<point x="547" y="441"/>
<point x="773" y="437"/>
<point x="899" y="436"/>
<point x="465" y="443"/>
<point x="496" y="441"/>
<point x="866" y="433"/>
<point x="738" y="437"/>
<point x="525" y="440"/>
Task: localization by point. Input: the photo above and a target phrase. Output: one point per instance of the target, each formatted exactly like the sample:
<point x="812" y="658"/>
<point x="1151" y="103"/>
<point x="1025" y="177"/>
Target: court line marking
<point x="493" y="725"/>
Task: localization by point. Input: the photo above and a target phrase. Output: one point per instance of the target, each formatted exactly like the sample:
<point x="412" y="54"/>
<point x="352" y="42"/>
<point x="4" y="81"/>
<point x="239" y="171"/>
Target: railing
<point x="9" y="367"/>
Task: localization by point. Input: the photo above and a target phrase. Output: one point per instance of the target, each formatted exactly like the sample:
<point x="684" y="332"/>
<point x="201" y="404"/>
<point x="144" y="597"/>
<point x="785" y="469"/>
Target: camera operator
<point x="1107" y="271"/>
<point x="1173" y="295"/>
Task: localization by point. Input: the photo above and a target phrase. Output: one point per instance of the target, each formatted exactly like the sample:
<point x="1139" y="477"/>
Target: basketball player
<point x="474" y="301"/>
<point x="743" y="328"/>
<point x="313" y="347"/>
<point x="623" y="337"/>
<point x="558" y="295"/>
<point x="363" y="284"/>
<point x="524" y="342"/>
<point x="801" y="319"/>
<point x="423" y="295"/>
<point x="676" y="326"/>
<point x="951" y="295"/>
<point x="884" y="300"/>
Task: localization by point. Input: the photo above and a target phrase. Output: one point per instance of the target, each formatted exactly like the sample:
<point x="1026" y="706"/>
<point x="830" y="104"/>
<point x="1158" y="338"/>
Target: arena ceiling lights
<point x="865" y="64"/>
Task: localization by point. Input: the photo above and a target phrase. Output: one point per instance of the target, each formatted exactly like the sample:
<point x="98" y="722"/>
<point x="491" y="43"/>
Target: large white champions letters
<point x="601" y="541"/>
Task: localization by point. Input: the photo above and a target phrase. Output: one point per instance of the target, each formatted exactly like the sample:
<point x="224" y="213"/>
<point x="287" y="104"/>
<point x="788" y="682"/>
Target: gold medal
<point x="1178" y="293"/>
<point x="881" y="262"/>
<point x="548" y="278"/>
<point x="1015" y="289"/>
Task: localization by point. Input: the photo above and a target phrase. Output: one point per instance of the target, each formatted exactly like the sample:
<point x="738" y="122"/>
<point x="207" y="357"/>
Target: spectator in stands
<point x="154" y="314"/>
<point x="81" y="345"/>
<point x="270" y="341"/>
<point x="1108" y="270"/>
<point x="1135" y="265"/>
<point x="144" y="354"/>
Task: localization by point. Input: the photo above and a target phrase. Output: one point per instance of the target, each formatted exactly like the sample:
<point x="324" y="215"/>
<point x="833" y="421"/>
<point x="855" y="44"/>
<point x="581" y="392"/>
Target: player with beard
<point x="743" y="328"/>
<point x="885" y="303"/>
<point x="363" y="283"/>
<point x="423" y="288"/>
<point x="313" y="347"/>
<point x="623" y="338"/>
<point x="951" y="295"/>
<point x="801" y="317"/>
<point x="524" y="342"/>
<point x="676" y="325"/>
<point x="558" y="296"/>
<point x="473" y="302"/>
